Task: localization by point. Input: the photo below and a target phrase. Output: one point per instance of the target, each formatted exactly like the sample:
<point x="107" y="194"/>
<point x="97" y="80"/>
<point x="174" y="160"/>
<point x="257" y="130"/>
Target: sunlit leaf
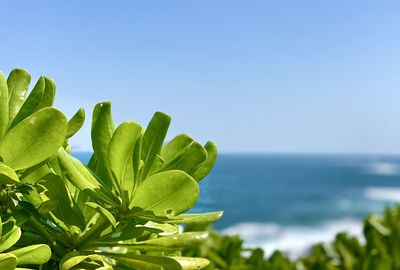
<point x="17" y="82"/>
<point x="3" y="105"/>
<point x="153" y="140"/>
<point x="34" y="139"/>
<point x="75" y="123"/>
<point x="165" y="194"/>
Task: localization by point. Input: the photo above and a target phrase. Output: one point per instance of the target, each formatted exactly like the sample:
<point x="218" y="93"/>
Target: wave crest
<point x="295" y="241"/>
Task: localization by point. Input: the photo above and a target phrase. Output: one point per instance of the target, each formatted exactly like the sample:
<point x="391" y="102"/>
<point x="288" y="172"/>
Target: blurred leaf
<point x="196" y="218"/>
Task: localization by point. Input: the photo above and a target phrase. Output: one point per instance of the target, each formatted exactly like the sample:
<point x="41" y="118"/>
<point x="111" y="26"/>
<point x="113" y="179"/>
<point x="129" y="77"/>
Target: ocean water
<point x="289" y="202"/>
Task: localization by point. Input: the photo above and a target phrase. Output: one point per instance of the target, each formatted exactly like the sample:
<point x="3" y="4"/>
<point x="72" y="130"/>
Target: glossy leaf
<point x="188" y="263"/>
<point x="165" y="194"/>
<point x="82" y="178"/>
<point x="34" y="139"/>
<point x="3" y="105"/>
<point x="204" y="169"/>
<point x="103" y="212"/>
<point x="164" y="228"/>
<point x="170" y="242"/>
<point x="179" y="241"/>
<point x="76" y="172"/>
<point x="8" y="175"/>
<point x="31" y="103"/>
<point x="10" y="234"/>
<point x="120" y="156"/>
<point x="173" y="147"/>
<point x="102" y="131"/>
<point x="147" y="262"/>
<point x="73" y="259"/>
<point x="75" y="123"/>
<point x="36" y="173"/>
<point x="34" y="254"/>
<point x="197" y="218"/>
<point x="48" y="94"/>
<point x="8" y="261"/>
<point x="17" y="82"/>
<point x="186" y="159"/>
<point x="153" y="140"/>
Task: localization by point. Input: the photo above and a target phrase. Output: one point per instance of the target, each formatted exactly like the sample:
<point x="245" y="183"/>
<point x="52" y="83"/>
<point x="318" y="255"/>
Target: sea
<point x="289" y="202"/>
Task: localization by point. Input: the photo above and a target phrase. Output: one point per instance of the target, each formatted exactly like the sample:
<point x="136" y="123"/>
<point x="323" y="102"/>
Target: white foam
<point x="383" y="168"/>
<point x="293" y="240"/>
<point x="386" y="194"/>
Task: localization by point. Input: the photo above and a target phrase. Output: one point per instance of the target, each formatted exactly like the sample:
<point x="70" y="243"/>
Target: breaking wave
<point x="293" y="240"/>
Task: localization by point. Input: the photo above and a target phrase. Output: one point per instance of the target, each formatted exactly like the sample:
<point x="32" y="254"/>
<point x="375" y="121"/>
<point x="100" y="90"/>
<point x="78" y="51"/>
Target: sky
<point x="313" y="76"/>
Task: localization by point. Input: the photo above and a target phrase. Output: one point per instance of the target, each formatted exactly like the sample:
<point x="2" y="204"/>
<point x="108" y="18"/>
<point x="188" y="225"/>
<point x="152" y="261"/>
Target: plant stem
<point x="87" y="234"/>
<point x="39" y="228"/>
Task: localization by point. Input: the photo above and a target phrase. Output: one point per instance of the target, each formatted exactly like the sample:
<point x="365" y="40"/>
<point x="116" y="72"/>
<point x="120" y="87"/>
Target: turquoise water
<point x="291" y="201"/>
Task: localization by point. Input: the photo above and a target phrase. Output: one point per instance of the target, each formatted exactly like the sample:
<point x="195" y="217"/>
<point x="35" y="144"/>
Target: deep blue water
<point x="282" y="194"/>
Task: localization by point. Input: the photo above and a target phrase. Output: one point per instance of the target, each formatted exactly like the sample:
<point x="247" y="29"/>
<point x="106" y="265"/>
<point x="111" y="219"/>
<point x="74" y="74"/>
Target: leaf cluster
<point x="379" y="251"/>
<point x="123" y="210"/>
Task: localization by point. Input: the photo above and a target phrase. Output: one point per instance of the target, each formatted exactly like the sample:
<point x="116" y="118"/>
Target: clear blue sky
<point x="254" y="76"/>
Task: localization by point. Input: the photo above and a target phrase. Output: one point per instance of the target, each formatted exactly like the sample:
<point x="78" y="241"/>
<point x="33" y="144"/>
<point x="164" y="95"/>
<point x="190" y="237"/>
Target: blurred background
<point x="301" y="97"/>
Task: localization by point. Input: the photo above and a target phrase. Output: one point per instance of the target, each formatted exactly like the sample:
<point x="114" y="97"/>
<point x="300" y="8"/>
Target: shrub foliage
<point x="120" y="211"/>
<point x="379" y="250"/>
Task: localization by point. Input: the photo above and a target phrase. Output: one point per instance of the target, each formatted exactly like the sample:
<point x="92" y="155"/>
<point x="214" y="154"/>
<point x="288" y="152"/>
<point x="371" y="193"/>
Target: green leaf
<point x="147" y="262"/>
<point x="83" y="179"/>
<point x="3" y="105"/>
<point x="165" y="194"/>
<point x="57" y="199"/>
<point x="76" y="172"/>
<point x="73" y="260"/>
<point x="76" y="122"/>
<point x="34" y="139"/>
<point x="153" y="140"/>
<point x="36" y="173"/>
<point x="34" y="254"/>
<point x="18" y="82"/>
<point x="9" y="236"/>
<point x="196" y="218"/>
<point x="102" y="131"/>
<point x="31" y="103"/>
<point x="188" y="263"/>
<point x="8" y="175"/>
<point x="165" y="243"/>
<point x="204" y="169"/>
<point x="178" y="241"/>
<point x="183" y="155"/>
<point x="48" y="95"/>
<point x="173" y="147"/>
<point x="164" y="228"/>
<point x="8" y="261"/>
<point x="103" y="212"/>
<point x="120" y="156"/>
